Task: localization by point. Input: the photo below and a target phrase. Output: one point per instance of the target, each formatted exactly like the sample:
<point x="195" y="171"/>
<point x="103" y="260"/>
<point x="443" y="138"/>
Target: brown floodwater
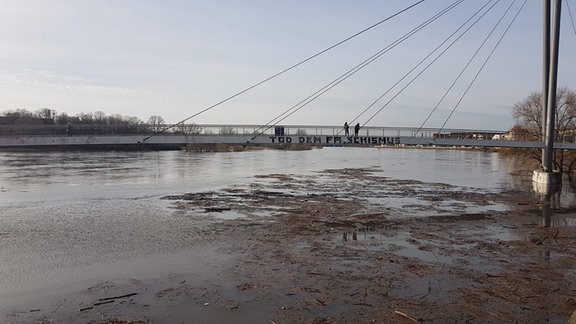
<point x="73" y="219"/>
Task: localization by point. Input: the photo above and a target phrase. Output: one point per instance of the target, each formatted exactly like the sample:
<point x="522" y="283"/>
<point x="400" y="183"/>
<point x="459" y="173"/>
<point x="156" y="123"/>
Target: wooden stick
<point x="104" y="302"/>
<point x="406" y="316"/>
<point x="116" y="297"/>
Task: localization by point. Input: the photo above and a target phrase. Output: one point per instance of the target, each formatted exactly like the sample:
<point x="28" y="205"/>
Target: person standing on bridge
<point x="346" y="129"/>
<point x="356" y="129"/>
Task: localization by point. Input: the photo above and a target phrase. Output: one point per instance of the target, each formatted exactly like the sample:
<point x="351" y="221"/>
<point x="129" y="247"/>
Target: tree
<point x="301" y="132"/>
<point x="83" y="123"/>
<point x="100" y="117"/>
<point x="45" y="113"/>
<point x="188" y="129"/>
<point x="22" y="116"/>
<point x="85" y="118"/>
<point x="115" y="119"/>
<point x="227" y="130"/>
<point x="528" y="116"/>
<point x="528" y="113"/>
<point x="62" y="118"/>
<point x="156" y="123"/>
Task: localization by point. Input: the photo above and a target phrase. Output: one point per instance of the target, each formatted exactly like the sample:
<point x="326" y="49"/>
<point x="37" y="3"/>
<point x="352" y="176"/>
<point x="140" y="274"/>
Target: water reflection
<point x="549" y="199"/>
<point x="346" y="235"/>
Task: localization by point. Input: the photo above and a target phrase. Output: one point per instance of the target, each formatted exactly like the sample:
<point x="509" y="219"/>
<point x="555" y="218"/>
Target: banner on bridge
<point x="335" y="140"/>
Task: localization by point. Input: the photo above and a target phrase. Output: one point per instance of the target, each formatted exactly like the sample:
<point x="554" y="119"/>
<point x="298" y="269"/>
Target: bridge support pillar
<point x="547" y="178"/>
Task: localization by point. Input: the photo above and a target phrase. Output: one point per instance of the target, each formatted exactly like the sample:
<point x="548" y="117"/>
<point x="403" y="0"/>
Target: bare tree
<point x="44" y="113"/>
<point x="528" y="113"/>
<point x="528" y="116"/>
<point x="156" y="123"/>
<point x="301" y="132"/>
<point x="22" y="116"/>
<point x="227" y="130"/>
<point x="85" y="118"/>
<point x="83" y="123"/>
<point x="188" y="129"/>
<point x="100" y="117"/>
<point x="62" y="118"/>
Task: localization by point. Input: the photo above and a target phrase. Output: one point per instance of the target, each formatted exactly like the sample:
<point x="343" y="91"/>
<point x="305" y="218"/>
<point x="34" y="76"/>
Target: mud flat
<point x="344" y="246"/>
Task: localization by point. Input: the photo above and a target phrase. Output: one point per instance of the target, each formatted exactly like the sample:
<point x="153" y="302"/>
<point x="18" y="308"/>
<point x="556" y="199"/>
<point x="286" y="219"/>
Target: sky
<point x="176" y="58"/>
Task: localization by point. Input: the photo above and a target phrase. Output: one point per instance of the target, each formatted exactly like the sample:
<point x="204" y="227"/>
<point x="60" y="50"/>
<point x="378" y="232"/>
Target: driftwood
<point x="406" y="316"/>
<point x="215" y="209"/>
<point x="106" y="300"/>
<point x="117" y="297"/>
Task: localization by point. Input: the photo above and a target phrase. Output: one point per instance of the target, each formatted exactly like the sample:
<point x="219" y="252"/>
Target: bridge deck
<point x="29" y="136"/>
<point x="320" y="140"/>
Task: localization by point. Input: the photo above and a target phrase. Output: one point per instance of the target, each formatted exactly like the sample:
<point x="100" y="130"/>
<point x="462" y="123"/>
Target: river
<point x="69" y="219"/>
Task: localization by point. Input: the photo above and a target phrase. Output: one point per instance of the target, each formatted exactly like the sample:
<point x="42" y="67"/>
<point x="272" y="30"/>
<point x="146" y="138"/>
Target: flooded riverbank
<point x="324" y="235"/>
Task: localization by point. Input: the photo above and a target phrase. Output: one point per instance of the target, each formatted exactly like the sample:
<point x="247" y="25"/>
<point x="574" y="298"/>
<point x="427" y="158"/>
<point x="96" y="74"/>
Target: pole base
<point x="547" y="178"/>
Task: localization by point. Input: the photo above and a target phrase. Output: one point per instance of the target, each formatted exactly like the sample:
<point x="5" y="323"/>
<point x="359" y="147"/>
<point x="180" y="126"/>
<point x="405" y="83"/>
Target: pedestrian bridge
<point x="148" y="137"/>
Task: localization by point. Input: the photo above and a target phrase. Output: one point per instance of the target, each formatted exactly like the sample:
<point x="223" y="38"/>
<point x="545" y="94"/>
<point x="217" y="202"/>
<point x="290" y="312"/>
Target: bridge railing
<point x="250" y="130"/>
<point x="72" y="129"/>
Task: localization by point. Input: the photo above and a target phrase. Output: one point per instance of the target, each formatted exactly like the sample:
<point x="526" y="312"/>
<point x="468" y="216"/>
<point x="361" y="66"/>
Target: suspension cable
<point x="261" y="130"/>
<point x="483" y="65"/>
<point x="429" y="64"/>
<point x="429" y="55"/>
<point x="465" y="68"/>
<point x="287" y="69"/>
<point x="570" y="14"/>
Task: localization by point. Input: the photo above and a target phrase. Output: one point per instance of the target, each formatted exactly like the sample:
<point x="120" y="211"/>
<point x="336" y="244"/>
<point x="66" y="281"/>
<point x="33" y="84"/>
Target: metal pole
<point x="551" y="115"/>
<point x="545" y="73"/>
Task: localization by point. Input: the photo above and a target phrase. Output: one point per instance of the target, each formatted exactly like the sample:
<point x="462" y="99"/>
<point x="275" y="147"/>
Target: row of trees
<point x="81" y="123"/>
<point x="48" y="122"/>
<point x="49" y="116"/>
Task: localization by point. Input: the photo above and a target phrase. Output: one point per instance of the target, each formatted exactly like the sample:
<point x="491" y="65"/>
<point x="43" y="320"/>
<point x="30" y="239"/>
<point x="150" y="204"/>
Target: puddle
<point x="399" y="243"/>
<point x="227" y="215"/>
<point x="520" y="228"/>
<point x="413" y="251"/>
<point x="520" y="233"/>
<point x="402" y="244"/>
<point x="432" y="288"/>
<point x="562" y="220"/>
<point x="406" y="207"/>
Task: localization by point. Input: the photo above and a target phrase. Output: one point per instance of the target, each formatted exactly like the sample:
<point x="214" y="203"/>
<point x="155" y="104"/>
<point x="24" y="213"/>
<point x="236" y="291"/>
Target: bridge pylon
<point x="549" y="176"/>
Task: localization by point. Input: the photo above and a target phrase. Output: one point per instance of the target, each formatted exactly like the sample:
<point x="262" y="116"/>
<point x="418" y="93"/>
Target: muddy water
<point x="70" y="219"/>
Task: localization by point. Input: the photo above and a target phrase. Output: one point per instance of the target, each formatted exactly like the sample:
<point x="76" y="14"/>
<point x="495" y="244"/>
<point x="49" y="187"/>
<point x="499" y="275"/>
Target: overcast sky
<point x="175" y="58"/>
